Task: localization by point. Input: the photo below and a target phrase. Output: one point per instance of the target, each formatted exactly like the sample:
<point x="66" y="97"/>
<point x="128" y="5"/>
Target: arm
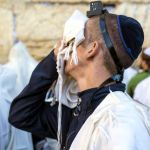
<point x="28" y="110"/>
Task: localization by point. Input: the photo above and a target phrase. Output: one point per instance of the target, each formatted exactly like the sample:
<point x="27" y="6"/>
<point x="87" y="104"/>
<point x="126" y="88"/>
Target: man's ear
<point x="93" y="49"/>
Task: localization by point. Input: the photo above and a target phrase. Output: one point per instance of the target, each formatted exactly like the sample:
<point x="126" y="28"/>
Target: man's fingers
<point x="56" y="48"/>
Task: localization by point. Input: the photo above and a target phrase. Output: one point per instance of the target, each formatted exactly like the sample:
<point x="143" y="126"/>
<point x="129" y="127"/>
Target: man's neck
<point x="92" y="78"/>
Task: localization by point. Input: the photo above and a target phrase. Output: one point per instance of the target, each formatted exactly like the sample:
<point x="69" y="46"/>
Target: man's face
<point x="70" y="67"/>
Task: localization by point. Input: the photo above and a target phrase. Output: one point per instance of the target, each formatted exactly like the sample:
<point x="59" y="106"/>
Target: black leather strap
<point x="109" y="44"/>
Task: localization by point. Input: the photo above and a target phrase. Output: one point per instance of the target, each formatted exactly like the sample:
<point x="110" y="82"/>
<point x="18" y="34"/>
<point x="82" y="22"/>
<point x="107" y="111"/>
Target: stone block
<point x="135" y="1"/>
<point x="41" y="49"/>
<point x="14" y="1"/>
<point x="6" y="33"/>
<point x="62" y="1"/>
<point x="76" y="1"/>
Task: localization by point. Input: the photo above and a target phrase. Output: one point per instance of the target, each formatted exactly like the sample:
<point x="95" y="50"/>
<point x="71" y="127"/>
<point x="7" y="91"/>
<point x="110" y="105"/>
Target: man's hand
<point x="56" y="48"/>
<point x="58" y="45"/>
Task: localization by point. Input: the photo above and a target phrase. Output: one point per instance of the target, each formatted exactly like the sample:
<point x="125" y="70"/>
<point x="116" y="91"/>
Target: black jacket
<point x="31" y="113"/>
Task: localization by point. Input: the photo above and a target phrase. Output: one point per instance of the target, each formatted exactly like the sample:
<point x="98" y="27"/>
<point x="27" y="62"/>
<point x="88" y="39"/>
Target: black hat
<point x="132" y="35"/>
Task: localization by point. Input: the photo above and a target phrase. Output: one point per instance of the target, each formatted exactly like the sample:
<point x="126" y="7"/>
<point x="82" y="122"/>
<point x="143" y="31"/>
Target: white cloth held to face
<point x="66" y="89"/>
<point x="74" y="28"/>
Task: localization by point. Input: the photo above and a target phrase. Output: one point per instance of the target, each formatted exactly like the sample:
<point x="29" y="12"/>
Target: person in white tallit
<point x="142" y="91"/>
<point x="86" y="107"/>
<point x="13" y="77"/>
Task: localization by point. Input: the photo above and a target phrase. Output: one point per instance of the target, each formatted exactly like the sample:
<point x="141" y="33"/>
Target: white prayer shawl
<point x="10" y="137"/>
<point x="13" y="78"/>
<point x="118" y="123"/>
<point x="22" y="63"/>
<point x="142" y="92"/>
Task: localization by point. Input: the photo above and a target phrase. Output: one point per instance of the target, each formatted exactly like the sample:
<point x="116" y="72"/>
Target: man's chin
<point x="67" y="71"/>
<point x="67" y="68"/>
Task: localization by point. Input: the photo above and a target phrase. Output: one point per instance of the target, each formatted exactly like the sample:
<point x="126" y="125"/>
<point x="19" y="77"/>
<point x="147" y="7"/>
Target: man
<point x="104" y="118"/>
<point x="142" y="90"/>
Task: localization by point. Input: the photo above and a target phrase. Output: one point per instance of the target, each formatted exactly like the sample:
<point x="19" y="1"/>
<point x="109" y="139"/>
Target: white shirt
<point x="118" y="123"/>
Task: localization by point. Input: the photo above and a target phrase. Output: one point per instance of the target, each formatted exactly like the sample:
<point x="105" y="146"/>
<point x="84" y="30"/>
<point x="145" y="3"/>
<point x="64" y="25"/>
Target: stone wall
<point x="39" y="23"/>
<point x="40" y="26"/>
<point x="6" y="33"/>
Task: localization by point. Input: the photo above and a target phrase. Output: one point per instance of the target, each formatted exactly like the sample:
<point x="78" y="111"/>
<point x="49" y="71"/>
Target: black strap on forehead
<point x="109" y="43"/>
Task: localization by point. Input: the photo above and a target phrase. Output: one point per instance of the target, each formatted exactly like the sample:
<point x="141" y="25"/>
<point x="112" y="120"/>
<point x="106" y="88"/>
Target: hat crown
<point x="132" y="35"/>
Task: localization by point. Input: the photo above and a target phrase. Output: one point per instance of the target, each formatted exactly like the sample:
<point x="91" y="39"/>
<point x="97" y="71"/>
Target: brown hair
<point x="95" y="34"/>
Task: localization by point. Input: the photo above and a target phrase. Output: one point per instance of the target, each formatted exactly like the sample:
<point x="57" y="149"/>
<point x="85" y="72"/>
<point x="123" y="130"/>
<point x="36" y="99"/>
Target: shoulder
<point x="121" y="127"/>
<point x="123" y="107"/>
<point x="123" y="113"/>
<point x="114" y="125"/>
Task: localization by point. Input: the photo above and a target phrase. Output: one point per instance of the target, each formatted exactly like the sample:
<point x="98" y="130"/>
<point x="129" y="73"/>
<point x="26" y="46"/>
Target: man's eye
<point x="71" y="42"/>
<point x="67" y="44"/>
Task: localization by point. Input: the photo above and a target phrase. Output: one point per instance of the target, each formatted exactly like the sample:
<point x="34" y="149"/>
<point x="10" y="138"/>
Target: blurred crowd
<point x="137" y="78"/>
